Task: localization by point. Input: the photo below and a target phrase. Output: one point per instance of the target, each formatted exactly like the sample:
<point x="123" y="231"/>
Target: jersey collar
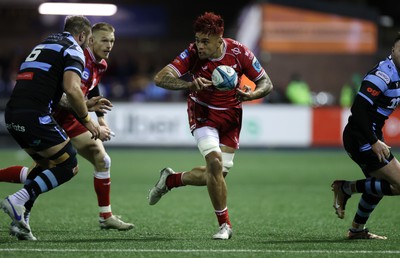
<point x="94" y="60"/>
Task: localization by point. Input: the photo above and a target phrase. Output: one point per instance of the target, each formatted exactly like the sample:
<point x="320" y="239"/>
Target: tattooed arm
<point x="167" y="78"/>
<point x="263" y="88"/>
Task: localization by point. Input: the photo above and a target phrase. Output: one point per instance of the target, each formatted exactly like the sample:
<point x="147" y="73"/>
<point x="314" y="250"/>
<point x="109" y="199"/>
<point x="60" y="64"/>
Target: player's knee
<point x="72" y="164"/>
<point x="102" y="162"/>
<point x="214" y="163"/>
<point x="107" y="161"/>
<point x="227" y="162"/>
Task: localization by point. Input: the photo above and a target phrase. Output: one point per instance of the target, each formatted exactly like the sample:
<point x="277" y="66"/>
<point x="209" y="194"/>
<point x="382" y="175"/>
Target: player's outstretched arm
<point x="167" y="78"/>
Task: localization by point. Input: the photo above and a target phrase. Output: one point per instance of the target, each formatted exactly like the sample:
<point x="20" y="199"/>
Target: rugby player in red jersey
<point x="100" y="46"/>
<point x="215" y="117"/>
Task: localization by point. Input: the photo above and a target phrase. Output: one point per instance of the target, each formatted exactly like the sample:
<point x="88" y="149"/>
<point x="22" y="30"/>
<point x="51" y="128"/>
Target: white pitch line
<point x="200" y="251"/>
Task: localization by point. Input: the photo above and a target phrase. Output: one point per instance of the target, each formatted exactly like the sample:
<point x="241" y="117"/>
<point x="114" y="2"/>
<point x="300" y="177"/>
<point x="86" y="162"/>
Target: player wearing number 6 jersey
<point x="53" y="67"/>
<point x="215" y="117"/>
<point x="100" y="45"/>
<point x="363" y="140"/>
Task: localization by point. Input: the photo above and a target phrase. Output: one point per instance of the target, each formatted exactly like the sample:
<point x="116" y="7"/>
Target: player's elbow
<point x="157" y="79"/>
<point x="270" y="87"/>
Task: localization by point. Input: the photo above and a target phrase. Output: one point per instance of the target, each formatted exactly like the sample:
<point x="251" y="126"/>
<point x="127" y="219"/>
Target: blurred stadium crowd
<point x="137" y="55"/>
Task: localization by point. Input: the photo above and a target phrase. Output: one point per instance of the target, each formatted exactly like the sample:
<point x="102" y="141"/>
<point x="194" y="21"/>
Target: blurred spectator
<point x="141" y="88"/>
<point x="116" y="90"/>
<point x="298" y="92"/>
<point x="349" y="90"/>
<point x="277" y="96"/>
<point x="323" y="98"/>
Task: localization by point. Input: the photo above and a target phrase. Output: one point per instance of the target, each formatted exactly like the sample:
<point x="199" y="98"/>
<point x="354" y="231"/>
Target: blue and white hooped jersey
<point x="40" y="78"/>
<point x="380" y="87"/>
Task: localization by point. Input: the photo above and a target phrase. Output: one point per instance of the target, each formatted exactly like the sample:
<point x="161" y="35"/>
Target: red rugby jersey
<point x="234" y="54"/>
<point x="93" y="72"/>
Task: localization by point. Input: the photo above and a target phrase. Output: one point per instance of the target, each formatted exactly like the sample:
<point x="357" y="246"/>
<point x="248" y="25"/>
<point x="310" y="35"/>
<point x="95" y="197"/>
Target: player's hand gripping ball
<point x="224" y="78"/>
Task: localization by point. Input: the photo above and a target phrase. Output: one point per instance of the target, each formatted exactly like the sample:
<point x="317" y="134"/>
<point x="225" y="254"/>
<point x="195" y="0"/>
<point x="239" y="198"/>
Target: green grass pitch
<point x="280" y="204"/>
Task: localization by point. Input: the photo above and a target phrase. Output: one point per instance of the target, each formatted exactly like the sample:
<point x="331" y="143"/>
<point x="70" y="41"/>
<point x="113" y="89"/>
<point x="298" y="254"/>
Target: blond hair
<point x="102" y="26"/>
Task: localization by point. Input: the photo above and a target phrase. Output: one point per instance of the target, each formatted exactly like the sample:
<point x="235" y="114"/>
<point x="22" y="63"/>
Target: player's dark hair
<point x="209" y="23"/>
<point x="102" y="26"/>
<point x="76" y="24"/>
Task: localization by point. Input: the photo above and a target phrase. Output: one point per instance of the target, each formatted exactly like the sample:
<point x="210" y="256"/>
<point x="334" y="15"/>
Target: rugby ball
<point x="224" y="78"/>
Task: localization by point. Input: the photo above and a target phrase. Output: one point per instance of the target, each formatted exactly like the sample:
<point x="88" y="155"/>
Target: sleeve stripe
<point x="74" y="69"/>
<point x="259" y="76"/>
<point x="366" y="98"/>
<point x="55" y="47"/>
<point x="175" y="69"/>
<point x="384" y="111"/>
<point x="377" y="81"/>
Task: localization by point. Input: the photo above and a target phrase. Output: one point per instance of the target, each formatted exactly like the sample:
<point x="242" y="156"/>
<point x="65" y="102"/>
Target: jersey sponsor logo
<point x="204" y="67"/>
<point x="184" y="54"/>
<point x="86" y="74"/>
<point x="25" y="76"/>
<point x="236" y="51"/>
<point x="16" y="127"/>
<point x="373" y="92"/>
<point x="383" y="76"/>
<point x="256" y="65"/>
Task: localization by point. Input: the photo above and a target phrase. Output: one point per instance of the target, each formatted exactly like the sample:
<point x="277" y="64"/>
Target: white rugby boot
<point x="115" y="222"/>
<point x="225" y="232"/>
<point x="16" y="213"/>
<point x="160" y="187"/>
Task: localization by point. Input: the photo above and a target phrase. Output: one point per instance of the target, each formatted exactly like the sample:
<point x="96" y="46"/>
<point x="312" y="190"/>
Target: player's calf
<point x="66" y="168"/>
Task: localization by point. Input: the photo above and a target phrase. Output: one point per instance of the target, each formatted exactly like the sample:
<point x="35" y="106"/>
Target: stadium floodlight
<point x="77" y="9"/>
